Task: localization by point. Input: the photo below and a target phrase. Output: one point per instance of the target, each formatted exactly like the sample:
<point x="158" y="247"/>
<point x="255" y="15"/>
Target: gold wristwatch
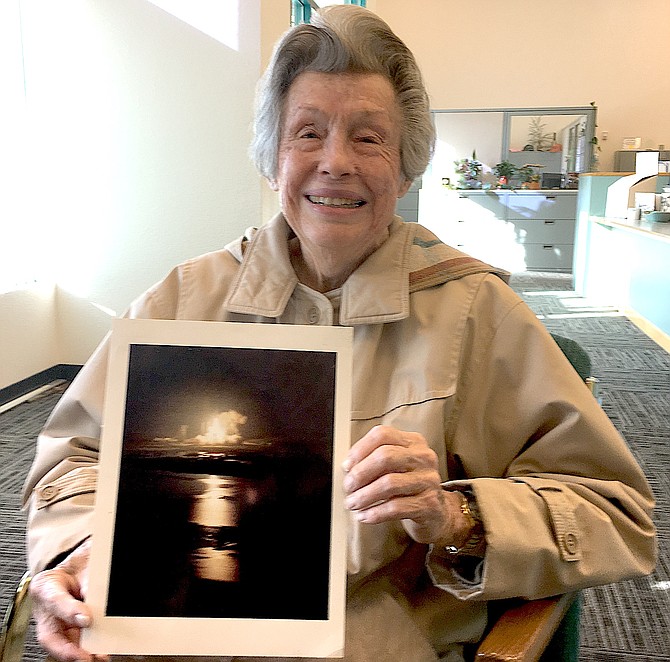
<point x="475" y="545"/>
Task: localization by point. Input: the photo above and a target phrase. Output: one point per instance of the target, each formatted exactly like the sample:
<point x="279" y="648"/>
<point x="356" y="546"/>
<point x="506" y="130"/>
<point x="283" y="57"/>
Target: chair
<point x="548" y="629"/>
<point x="544" y="630"/>
<point x="580" y="361"/>
<point x="15" y="623"/>
<point x="523" y="631"/>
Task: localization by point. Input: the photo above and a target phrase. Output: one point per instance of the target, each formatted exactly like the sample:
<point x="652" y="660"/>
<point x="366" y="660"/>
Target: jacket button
<point x="48" y="492"/>
<point x="570" y="540"/>
<point x="314" y="315"/>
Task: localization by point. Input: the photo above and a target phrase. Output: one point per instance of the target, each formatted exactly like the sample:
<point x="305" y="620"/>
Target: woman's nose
<point x="337" y="158"/>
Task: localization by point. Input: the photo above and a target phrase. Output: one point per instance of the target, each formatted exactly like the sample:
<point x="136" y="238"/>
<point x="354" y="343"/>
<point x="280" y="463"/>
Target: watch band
<point x="475" y="545"/>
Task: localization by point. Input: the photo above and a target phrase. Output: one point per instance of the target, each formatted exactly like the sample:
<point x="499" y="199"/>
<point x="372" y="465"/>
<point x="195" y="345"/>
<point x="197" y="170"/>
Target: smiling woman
<point x="480" y="466"/>
<point x="339" y="173"/>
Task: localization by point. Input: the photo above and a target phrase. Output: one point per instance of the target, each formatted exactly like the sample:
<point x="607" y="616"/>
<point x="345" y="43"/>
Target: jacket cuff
<point x="463" y="577"/>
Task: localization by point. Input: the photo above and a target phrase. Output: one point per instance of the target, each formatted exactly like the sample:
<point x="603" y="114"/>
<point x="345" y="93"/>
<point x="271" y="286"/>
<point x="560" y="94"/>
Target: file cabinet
<point x="514" y="229"/>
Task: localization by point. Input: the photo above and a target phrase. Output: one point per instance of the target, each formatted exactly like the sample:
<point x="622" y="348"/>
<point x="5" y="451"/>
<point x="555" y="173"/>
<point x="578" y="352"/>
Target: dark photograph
<point x="225" y="484"/>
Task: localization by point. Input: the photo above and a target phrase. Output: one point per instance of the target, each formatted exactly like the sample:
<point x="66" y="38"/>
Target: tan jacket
<point x="442" y="347"/>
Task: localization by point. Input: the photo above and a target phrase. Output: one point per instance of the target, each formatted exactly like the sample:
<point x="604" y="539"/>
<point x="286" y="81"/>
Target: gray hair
<point x="344" y="39"/>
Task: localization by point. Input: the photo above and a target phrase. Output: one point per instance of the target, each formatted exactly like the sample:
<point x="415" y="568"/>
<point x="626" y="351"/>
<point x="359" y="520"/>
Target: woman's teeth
<point x="335" y="202"/>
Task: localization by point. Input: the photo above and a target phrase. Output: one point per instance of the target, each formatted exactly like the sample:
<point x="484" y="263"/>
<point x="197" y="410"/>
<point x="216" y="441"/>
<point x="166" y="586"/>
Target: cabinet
<point x="624" y="160"/>
<point x="544" y="224"/>
<point x="513" y="229"/>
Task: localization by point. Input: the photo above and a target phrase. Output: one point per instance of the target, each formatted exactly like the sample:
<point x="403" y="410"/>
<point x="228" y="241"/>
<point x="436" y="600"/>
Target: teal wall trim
<point x="301" y="12"/>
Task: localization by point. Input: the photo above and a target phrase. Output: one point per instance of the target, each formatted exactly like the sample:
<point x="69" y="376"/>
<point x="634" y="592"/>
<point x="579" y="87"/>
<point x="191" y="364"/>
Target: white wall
<point x="28" y="333"/>
<point x="139" y="126"/>
<point x="522" y="54"/>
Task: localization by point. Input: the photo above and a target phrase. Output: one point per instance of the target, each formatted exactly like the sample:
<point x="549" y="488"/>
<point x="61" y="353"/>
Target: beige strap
<point x="451" y="269"/>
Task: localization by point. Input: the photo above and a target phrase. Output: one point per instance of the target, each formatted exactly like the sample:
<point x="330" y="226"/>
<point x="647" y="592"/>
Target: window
<point x="301" y="10"/>
<point x="558" y="140"/>
<point x="19" y="261"/>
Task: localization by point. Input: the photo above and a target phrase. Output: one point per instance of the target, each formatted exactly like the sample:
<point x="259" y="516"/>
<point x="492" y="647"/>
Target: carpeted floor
<point x="629" y="620"/>
<point x="18" y="429"/>
<point x="625" y="621"/>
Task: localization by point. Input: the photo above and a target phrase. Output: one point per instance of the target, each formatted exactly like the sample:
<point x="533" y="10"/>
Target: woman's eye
<point x="309" y="134"/>
<point x="371" y="140"/>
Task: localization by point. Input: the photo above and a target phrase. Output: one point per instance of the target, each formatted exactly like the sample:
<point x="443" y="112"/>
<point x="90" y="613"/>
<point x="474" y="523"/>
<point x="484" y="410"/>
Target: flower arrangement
<point x="469" y="172"/>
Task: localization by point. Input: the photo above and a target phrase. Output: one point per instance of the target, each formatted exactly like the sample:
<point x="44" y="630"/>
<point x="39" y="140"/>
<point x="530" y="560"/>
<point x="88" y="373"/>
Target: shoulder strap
<point x="451" y="269"/>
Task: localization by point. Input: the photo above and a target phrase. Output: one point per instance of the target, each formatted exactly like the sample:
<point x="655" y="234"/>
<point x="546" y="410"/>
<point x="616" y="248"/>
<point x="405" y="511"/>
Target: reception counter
<point x="624" y="263"/>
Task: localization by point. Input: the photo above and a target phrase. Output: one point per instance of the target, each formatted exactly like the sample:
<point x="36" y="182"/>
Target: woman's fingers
<point x="393" y="475"/>
<point x="59" y="611"/>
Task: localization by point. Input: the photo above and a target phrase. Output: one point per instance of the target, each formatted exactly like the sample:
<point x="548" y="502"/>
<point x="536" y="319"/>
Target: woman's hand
<point x="58" y="608"/>
<point x="393" y="475"/>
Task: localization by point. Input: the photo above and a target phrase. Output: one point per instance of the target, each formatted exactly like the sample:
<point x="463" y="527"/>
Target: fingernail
<point x="82" y="620"/>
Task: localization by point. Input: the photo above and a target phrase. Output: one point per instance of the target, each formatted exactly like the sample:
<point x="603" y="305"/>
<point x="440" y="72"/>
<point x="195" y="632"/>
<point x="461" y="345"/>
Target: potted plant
<point x="530" y="177"/>
<point x="535" y="181"/>
<point x="504" y="171"/>
<point x="538" y="137"/>
<point x="469" y="172"/>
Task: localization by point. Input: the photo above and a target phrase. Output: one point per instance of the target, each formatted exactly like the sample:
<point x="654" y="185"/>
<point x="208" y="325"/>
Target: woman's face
<point x="338" y="170"/>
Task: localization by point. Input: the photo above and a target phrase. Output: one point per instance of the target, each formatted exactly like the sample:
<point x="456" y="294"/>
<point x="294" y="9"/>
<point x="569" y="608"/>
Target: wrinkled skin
<point x="393" y="475"/>
<point x="339" y="173"/>
<point x="59" y="610"/>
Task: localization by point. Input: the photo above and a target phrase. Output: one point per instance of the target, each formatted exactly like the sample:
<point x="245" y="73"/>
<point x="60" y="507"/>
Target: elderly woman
<point x="481" y="467"/>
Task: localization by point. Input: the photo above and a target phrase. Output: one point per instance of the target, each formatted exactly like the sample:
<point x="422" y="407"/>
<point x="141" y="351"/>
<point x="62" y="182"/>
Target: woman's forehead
<point x="366" y="95"/>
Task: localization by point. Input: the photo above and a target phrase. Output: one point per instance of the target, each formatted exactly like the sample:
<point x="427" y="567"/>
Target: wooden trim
<point x="19" y="389"/>
<point x="657" y="335"/>
<point x="522" y="632"/>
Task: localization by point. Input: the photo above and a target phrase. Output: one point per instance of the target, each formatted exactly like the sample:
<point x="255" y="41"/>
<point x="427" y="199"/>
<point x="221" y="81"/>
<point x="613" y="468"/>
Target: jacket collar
<point x="411" y="259"/>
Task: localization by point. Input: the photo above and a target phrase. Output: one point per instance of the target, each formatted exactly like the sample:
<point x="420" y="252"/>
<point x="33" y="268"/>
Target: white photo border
<point x="215" y="636"/>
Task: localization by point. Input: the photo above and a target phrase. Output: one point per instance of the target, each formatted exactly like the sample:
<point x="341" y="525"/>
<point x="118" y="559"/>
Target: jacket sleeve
<point x="59" y="491"/>
<point x="563" y="502"/>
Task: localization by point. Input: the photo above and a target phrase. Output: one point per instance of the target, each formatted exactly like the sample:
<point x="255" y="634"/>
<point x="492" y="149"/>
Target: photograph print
<point x="224" y="497"/>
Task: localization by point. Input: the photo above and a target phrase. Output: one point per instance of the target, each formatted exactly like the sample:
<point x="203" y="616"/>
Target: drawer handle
<point x="551" y="197"/>
<point x="549" y="222"/>
<point x="547" y="248"/>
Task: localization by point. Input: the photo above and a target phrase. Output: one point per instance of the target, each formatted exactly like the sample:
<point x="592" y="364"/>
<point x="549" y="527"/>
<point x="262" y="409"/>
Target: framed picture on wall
<point x="219" y="527"/>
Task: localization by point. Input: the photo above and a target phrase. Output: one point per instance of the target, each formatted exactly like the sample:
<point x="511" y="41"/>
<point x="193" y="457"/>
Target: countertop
<point x="519" y="191"/>
<point x="659" y="231"/>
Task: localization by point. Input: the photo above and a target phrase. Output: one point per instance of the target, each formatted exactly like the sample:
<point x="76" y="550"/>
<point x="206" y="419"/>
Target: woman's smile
<point x="337" y="203"/>
<point x="339" y="173"/>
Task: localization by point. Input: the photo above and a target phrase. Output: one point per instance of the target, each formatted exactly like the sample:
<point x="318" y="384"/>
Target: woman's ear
<point x="273" y="184"/>
<point x="404" y="187"/>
